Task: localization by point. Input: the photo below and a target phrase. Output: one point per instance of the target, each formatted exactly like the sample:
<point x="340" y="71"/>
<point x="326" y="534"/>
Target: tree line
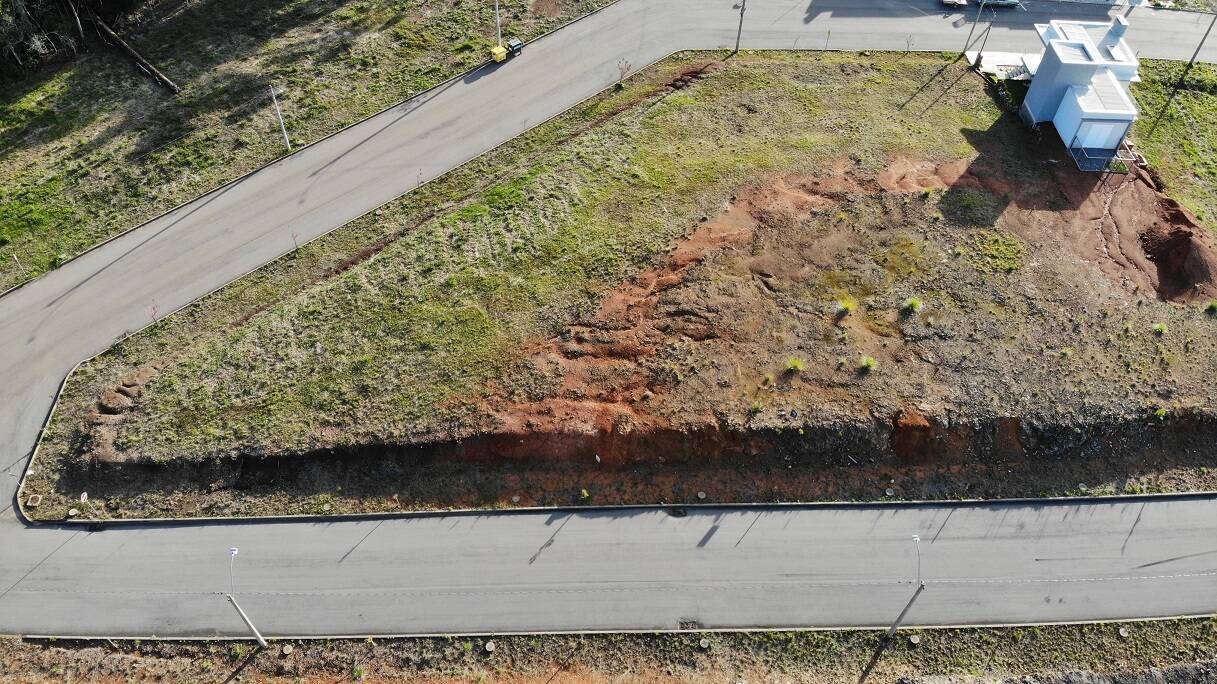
<point x="33" y="32"/>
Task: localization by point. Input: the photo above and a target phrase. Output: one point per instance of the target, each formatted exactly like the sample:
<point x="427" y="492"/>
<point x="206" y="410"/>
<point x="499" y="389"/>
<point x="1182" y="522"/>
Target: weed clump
<point x="995" y="252"/>
<point x="844" y="307"/>
<point x="1160" y="329"/>
<point x="913" y="305"/>
<point x="867" y="364"/>
<point x="795" y="365"/>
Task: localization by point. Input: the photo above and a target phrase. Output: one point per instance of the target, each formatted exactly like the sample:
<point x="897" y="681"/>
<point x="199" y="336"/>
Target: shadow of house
<point x="1080" y="83"/>
<point x="1013" y="166"/>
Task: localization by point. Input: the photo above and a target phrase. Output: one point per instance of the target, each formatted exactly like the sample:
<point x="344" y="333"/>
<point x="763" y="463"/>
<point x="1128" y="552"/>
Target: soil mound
<point x="1140" y="237"/>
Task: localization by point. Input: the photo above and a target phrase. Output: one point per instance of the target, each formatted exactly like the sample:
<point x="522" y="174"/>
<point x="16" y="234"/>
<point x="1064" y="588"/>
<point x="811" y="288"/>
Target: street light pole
<point x="1196" y="54"/>
<point x="279" y="113"/>
<point x="891" y="632"/>
<point x="743" y="7"/>
<point x="887" y="638"/>
<point x="498" y="23"/>
<point x="975" y="21"/>
<point x="232" y="557"/>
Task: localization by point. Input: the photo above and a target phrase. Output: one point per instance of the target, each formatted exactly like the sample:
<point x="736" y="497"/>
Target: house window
<point x="1100" y="135"/>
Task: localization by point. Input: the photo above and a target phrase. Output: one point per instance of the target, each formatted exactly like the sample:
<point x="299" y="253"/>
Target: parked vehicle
<point x="955" y="3"/>
<point x="513" y="48"/>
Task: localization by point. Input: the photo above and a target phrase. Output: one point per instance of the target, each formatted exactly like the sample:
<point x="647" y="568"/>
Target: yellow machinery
<point x="513" y="48"/>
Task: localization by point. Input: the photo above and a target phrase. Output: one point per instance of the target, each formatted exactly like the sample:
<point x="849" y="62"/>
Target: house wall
<point x="1052" y="81"/>
<point x="1068" y="118"/>
<point x="1101" y="134"/>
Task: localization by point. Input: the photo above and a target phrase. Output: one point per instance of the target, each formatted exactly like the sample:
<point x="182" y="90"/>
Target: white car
<point x="955" y="3"/>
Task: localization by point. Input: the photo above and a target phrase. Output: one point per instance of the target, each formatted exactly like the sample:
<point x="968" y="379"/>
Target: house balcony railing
<point x="1099" y="159"/>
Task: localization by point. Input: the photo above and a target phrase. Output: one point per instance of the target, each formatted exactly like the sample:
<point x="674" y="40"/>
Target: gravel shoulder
<point x="1174" y="651"/>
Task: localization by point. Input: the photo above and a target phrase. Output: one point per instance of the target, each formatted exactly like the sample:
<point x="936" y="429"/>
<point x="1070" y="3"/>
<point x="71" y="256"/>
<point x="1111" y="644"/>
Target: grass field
<point x="93" y="147"/>
<point x="1179" y="134"/>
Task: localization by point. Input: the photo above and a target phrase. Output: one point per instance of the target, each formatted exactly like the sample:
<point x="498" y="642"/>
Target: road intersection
<point x="630" y="569"/>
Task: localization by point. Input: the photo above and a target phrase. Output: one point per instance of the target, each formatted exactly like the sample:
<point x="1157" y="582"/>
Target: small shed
<point x="1080" y="84"/>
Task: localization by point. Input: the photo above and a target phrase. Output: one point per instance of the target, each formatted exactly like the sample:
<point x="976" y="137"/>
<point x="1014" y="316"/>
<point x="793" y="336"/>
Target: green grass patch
<point x="1178" y="134"/>
<point x="993" y="251"/>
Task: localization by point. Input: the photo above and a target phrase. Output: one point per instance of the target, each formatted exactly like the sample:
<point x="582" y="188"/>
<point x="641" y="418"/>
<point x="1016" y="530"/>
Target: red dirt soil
<point x="605" y="404"/>
<point x="609" y="402"/>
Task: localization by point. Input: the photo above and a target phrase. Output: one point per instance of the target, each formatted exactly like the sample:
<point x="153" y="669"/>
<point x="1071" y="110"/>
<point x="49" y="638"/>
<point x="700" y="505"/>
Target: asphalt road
<point x="157" y="580"/>
<point x="622" y="570"/>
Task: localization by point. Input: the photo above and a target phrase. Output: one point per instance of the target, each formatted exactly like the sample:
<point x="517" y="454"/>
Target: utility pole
<point x="282" y="126"/>
<point x="743" y="7"/>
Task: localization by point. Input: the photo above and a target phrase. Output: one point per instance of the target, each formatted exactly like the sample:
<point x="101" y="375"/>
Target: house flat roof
<point x="1104" y="95"/>
<point x="1072" y="51"/>
<point x="1098" y="43"/>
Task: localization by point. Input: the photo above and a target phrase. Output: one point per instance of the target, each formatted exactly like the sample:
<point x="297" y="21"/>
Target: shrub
<point x="794" y="365"/>
<point x="1211" y="308"/>
<point x="868" y="364"/>
<point x="1160" y="329"/>
<point x="844" y="307"/>
<point x="913" y="305"/>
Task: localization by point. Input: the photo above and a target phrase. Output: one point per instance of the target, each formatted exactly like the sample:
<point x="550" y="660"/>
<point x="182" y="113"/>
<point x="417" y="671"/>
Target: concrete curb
<point x="594" y="632"/>
<point x="1115" y="499"/>
<point x="17" y="505"/>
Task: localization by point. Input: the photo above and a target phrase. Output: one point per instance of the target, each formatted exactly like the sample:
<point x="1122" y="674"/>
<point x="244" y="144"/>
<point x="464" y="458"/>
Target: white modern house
<point x="1080" y="83"/>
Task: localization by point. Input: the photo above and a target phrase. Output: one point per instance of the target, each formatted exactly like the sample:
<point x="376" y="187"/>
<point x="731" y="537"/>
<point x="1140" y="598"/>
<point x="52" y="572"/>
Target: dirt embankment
<point x="607" y="388"/>
<point x="611" y="393"/>
<point x="1029" y="332"/>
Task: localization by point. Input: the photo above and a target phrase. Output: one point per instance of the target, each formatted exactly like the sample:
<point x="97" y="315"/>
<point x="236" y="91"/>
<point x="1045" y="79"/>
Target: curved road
<point x="631" y="569"/>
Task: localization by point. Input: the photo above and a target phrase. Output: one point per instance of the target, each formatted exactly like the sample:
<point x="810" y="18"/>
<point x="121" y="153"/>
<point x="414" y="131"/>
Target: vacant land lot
<point x="796" y="277"/>
<point x="93" y="148"/>
<point x="995" y="654"/>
